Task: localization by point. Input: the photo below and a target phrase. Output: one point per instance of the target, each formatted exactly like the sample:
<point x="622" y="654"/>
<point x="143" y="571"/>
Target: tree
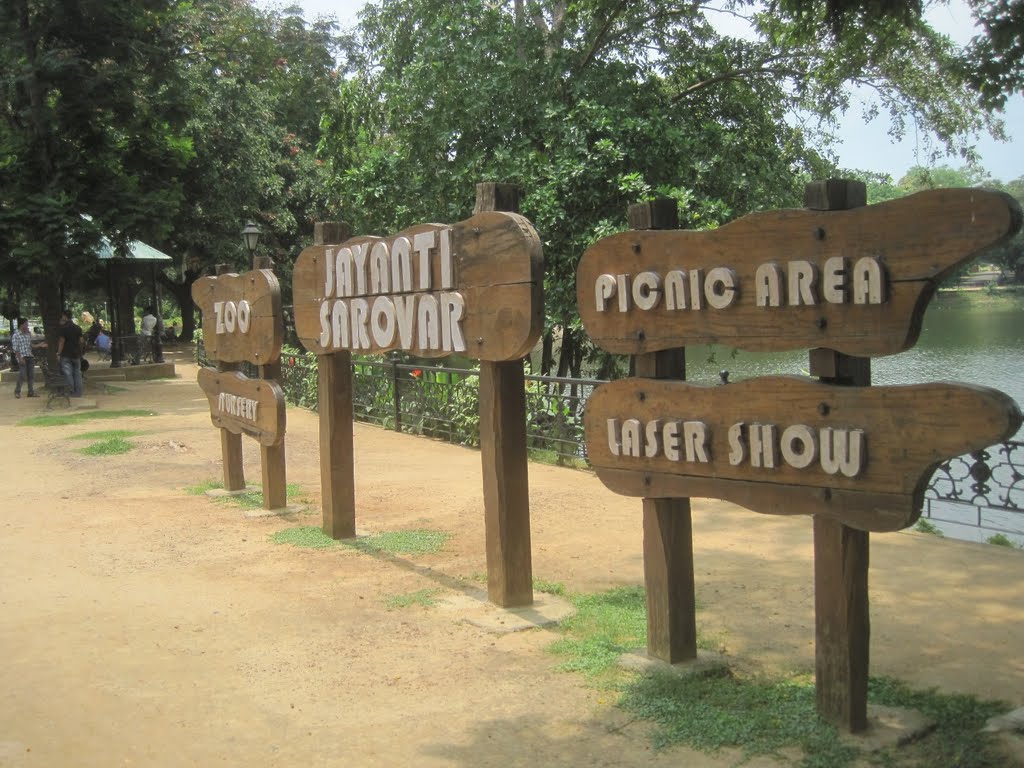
<point x="593" y="105"/>
<point x="256" y="83"/>
<point x="90" y="139"/>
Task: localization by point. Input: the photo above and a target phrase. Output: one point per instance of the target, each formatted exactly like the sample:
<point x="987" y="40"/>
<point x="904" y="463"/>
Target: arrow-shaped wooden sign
<point x="856" y="281"/>
<point x="789" y="445"/>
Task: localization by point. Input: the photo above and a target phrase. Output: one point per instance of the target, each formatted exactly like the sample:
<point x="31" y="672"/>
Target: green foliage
<point x="424" y="597"/>
<point x="64" y="419"/>
<point x="924" y="525"/>
<point x="308" y="536"/>
<point x="413" y="542"/>
<point x="1001" y="540"/>
<point x="590" y="107"/>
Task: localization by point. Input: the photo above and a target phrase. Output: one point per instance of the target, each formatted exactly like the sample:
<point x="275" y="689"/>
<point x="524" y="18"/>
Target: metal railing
<point x="974" y="497"/>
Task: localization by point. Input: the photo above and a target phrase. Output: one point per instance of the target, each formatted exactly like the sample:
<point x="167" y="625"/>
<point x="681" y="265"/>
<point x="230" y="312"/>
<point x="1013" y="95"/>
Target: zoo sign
<point x="474" y="288"/>
<point x="242" y="318"/>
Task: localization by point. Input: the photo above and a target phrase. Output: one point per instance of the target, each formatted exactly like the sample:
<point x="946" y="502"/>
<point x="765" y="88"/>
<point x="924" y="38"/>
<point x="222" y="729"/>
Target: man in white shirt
<point x="148" y="322"/>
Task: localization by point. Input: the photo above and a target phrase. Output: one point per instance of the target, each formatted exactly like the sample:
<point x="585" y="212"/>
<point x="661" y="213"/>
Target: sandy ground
<point x="143" y="626"/>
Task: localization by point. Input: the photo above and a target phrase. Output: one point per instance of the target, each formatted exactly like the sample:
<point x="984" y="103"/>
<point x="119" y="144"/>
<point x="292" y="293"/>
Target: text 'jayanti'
<point x="383" y="294"/>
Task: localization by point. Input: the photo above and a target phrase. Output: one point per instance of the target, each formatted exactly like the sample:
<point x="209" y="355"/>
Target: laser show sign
<point x="790" y="445"/>
<point x="474" y="288"/>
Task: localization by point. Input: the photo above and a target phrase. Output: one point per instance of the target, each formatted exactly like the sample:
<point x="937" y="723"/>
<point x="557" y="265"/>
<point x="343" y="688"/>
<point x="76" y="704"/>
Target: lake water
<point x="973" y="345"/>
<point x="978" y="344"/>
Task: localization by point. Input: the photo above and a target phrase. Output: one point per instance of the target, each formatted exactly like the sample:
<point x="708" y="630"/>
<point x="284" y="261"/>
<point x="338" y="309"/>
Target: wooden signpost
<point x="242" y="322"/>
<point x="474" y="288"/>
<point x="844" y="279"/>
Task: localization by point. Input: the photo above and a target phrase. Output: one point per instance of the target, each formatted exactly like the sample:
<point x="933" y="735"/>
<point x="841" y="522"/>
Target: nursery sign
<point x="856" y="281"/>
<point x="255" y="407"/>
<point x="790" y="445"/>
<point x="242" y="318"/>
<point x="473" y="288"/>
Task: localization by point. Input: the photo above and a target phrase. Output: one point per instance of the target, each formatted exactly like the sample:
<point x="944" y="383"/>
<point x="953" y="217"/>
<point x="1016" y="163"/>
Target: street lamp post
<point x="251" y="237"/>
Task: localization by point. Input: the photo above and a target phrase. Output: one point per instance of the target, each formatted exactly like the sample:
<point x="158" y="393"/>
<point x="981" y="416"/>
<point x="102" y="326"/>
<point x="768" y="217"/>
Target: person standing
<point x="70" y="342"/>
<point x="148" y="322"/>
<point x="22" y="343"/>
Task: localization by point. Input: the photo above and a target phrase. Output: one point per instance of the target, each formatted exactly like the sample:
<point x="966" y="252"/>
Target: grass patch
<point x="756" y="716"/>
<point x="766" y="716"/>
<point x="414" y="542"/>
<point x="249" y="499"/>
<point x="63" y="420"/>
<point x="424" y="597"/>
<point x="112" y="446"/>
<point x="308" y="536"/>
<point x="604" y="627"/>
<point x="927" y="526"/>
<point x="106" y="434"/>
<point x="548" y="456"/>
<point x="254" y="499"/>
<point x="200" y="488"/>
<point x="1001" y="540"/>
<point x="549" y="587"/>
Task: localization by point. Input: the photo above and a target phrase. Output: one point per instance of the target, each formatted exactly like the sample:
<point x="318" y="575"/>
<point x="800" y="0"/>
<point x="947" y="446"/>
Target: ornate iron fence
<point x="980" y="495"/>
<point x="970" y="497"/>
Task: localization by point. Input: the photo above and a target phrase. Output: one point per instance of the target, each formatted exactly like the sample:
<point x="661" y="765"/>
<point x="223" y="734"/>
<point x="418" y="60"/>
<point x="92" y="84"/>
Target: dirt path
<point x="146" y="627"/>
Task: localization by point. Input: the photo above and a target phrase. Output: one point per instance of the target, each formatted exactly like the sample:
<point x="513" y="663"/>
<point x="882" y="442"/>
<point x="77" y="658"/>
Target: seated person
<point x="103" y="343"/>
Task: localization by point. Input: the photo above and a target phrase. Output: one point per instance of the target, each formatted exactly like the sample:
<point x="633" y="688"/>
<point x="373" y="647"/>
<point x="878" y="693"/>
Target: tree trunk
<point x="182" y="293"/>
<point x="547" y="357"/>
<point x="48" y="296"/>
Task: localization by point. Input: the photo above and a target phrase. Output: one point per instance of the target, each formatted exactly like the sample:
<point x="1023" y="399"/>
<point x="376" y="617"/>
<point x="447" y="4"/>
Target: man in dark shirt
<point x="69" y="347"/>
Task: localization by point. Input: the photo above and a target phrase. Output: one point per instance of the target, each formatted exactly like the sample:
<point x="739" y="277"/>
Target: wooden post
<point x="668" y="524"/>
<point x="272" y="458"/>
<point x="503" y="455"/>
<point x="841" y="621"/>
<point x="334" y="398"/>
<point x="230" y="443"/>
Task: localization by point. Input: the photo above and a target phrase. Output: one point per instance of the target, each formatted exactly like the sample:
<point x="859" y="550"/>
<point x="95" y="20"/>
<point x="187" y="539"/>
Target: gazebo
<point x="142" y="261"/>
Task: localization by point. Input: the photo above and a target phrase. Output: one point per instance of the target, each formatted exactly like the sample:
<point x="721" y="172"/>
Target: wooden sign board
<point x="474" y="288"/>
<point x="254" y="407"/>
<point x="242" y="319"/>
<point x="856" y="281"/>
<point x="789" y="445"/>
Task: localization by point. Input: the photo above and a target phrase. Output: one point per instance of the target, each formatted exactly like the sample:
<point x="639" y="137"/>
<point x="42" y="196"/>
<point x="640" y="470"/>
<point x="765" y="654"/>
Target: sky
<point x="861" y="146"/>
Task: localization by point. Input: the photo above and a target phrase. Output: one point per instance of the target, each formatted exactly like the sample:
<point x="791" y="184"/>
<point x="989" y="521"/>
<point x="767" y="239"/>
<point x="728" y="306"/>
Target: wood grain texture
<point x="498" y="269"/>
<point x="337" y="472"/>
<point x="908" y="431"/>
<point x="918" y="240"/>
<point x="269" y="425"/>
<point x="261" y="344"/>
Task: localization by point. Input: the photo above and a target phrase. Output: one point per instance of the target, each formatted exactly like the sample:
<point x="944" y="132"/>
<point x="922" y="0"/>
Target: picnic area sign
<point x="472" y="288"/>
<point x="856" y="281"/>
